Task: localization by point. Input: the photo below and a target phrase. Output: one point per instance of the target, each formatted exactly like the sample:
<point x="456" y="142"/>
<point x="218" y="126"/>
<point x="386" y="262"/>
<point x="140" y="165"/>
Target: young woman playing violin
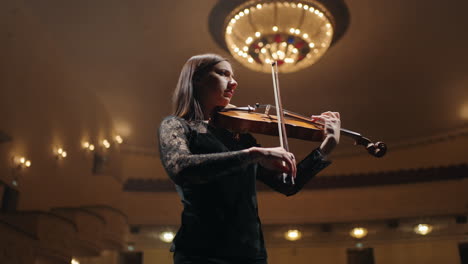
<point x="215" y="170"/>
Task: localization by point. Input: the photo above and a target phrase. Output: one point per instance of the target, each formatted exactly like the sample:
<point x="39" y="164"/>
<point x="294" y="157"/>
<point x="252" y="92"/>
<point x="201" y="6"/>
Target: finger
<point x="289" y="160"/>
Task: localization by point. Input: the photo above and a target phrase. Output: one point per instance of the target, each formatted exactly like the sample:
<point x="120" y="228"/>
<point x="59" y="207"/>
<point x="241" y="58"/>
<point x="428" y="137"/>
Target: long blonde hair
<point x="185" y="101"/>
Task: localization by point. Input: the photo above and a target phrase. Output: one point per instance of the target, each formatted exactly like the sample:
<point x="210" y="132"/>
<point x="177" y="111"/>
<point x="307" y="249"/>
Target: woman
<point x="215" y="171"/>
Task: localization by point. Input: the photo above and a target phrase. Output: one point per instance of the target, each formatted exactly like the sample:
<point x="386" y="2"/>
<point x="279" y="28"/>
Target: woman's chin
<point x="225" y="102"/>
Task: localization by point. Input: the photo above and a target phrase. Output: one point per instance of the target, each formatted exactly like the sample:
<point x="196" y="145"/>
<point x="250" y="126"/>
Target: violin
<point x="262" y="120"/>
<point x="259" y="120"/>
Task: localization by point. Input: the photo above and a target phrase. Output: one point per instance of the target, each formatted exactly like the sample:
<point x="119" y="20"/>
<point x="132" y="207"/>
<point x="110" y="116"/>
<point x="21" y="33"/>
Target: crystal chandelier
<point x="293" y="33"/>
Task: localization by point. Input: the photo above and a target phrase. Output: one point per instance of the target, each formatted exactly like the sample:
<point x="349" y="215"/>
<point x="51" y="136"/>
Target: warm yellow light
<point x="423" y="229"/>
<point x="305" y="35"/>
<point x="118" y="139"/>
<point x="167" y="236"/>
<point x="22" y="159"/>
<point x="249" y="40"/>
<point x="106" y="143"/>
<point x="358" y="232"/>
<point x="245" y="48"/>
<point x="74" y="261"/>
<point x="299" y="5"/>
<point x="246" y="11"/>
<point x="311" y="45"/>
<point x="275" y="28"/>
<point x="257" y="34"/>
<point x="464" y="111"/>
<point x="297" y="31"/>
<point x="293" y="235"/>
<point x="27" y="163"/>
<point x="259" y="6"/>
<point x="64" y="154"/>
<point x="250" y="60"/>
<point x="59" y="151"/>
<point x="91" y="147"/>
<point x="85" y="144"/>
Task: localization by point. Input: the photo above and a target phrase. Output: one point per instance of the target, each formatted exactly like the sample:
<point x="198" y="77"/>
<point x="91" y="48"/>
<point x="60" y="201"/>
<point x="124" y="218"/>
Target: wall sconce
<point x="21" y="162"/>
<point x="293" y="235"/>
<point x="88" y="146"/>
<point x="60" y="153"/>
<point x="118" y="139"/>
<point x="131" y="246"/>
<point x="358" y="232"/>
<point x="423" y="229"/>
<point x="167" y="236"/>
<point x="106" y="143"/>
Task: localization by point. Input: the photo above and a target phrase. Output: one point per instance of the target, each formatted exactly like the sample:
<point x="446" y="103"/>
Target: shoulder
<point x="173" y="123"/>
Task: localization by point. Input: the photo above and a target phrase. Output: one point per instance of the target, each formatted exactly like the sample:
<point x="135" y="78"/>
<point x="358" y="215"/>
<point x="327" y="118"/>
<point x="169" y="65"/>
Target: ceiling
<point x="399" y="73"/>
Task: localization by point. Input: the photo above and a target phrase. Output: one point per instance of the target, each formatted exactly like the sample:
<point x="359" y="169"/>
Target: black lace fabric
<point x="193" y="165"/>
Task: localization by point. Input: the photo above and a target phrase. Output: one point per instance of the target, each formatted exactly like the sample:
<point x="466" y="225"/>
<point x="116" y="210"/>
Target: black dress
<point x="216" y="182"/>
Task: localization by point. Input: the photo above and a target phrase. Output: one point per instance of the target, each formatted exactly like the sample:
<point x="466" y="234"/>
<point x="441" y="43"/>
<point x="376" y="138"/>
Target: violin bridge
<point x="267" y="110"/>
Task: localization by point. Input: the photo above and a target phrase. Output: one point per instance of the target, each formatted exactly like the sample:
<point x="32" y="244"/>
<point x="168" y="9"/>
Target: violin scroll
<point x="378" y="149"/>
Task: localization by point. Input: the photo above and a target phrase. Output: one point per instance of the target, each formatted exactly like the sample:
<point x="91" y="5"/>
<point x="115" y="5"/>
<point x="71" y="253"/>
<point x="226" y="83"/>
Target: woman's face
<point x="217" y="87"/>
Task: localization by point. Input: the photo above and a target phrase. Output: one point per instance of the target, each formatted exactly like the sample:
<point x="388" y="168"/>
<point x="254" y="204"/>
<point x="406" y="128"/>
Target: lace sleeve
<point x="184" y="166"/>
<point x="306" y="170"/>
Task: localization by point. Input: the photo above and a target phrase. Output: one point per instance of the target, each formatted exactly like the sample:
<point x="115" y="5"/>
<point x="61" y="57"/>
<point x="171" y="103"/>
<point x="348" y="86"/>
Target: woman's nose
<point x="232" y="84"/>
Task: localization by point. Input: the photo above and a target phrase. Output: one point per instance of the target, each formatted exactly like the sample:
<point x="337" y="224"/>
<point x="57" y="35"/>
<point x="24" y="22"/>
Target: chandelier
<point x="296" y="34"/>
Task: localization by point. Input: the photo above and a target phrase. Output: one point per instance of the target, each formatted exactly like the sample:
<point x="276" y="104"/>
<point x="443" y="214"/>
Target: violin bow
<point x="280" y="115"/>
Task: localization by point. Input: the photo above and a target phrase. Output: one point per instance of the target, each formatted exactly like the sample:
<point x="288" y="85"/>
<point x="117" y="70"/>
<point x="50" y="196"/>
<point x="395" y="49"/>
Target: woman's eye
<point x="224" y="73"/>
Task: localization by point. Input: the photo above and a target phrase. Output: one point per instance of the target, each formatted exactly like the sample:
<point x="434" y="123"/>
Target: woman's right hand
<point x="275" y="159"/>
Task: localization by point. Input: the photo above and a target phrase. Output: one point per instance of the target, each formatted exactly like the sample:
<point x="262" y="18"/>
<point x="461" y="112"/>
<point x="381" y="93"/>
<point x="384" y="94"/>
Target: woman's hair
<point x="185" y="101"/>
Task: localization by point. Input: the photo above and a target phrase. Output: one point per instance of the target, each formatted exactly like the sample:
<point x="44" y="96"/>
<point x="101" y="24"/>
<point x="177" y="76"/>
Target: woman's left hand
<point x="331" y="131"/>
